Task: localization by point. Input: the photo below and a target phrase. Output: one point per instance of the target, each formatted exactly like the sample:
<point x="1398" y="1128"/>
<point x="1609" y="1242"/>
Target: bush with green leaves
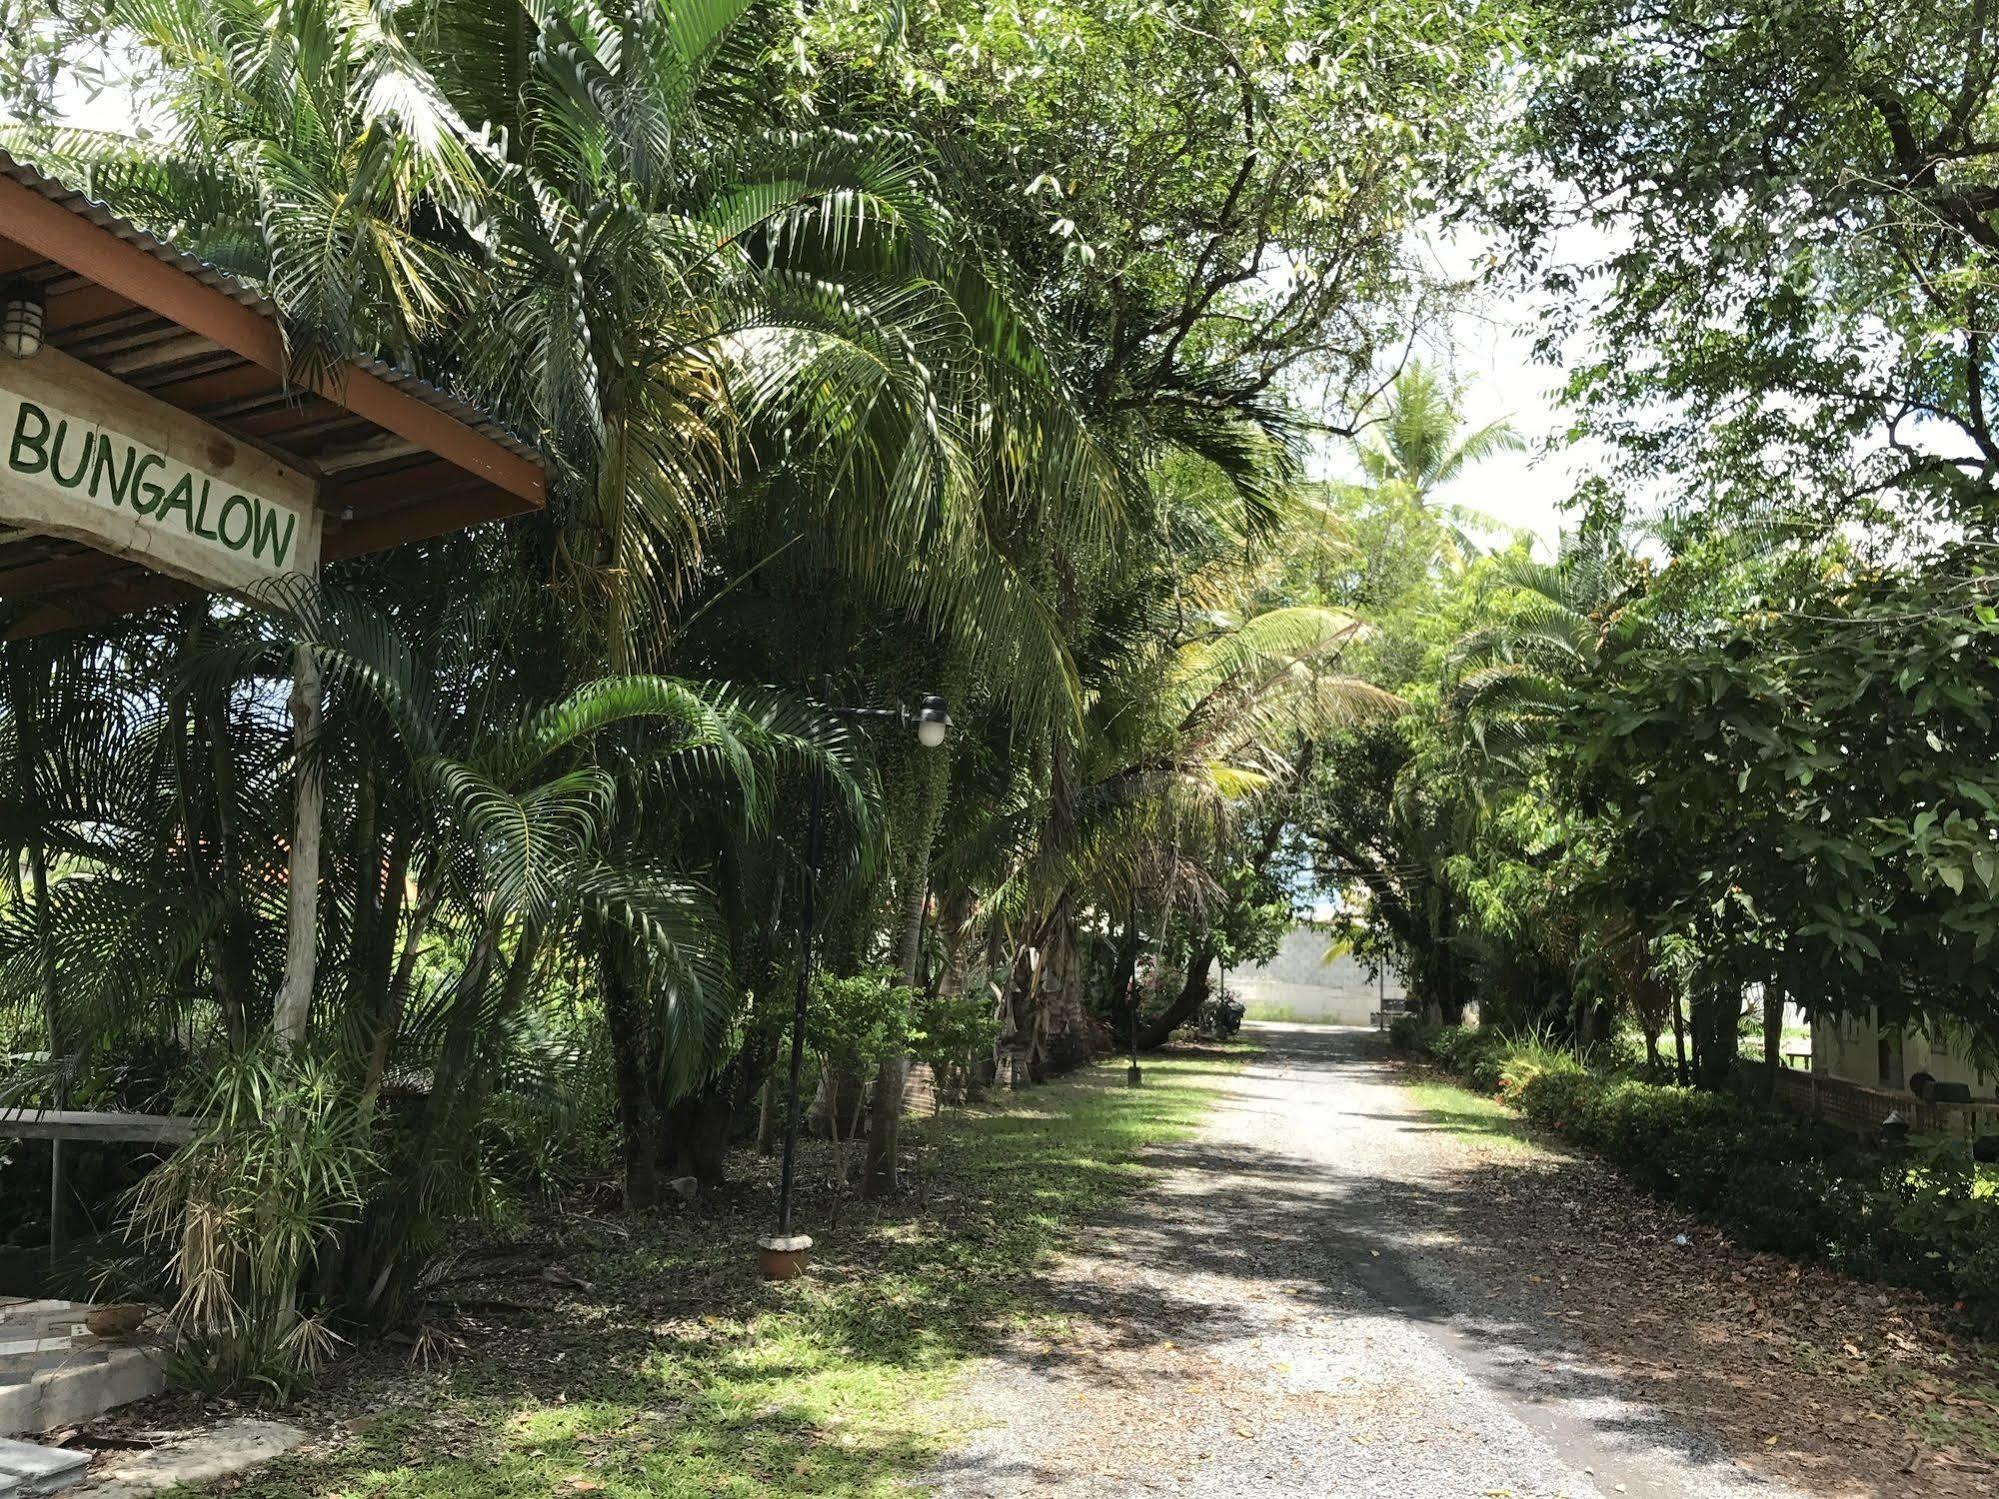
<point x="1412" y="1033"/>
<point x="1927" y="1217"/>
<point x="955" y="1034"/>
<point x="851" y="1024"/>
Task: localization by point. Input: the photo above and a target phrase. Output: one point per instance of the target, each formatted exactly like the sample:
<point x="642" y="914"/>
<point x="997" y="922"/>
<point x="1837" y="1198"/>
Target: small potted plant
<point x="784" y="1259"/>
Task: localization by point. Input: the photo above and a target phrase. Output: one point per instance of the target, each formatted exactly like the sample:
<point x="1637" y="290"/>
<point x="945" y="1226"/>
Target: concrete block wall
<point x="1300" y="984"/>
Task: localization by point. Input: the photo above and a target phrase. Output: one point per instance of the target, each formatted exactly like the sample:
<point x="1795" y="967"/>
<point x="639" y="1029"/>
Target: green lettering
<point x="121" y="483"/>
<point x="181" y="498"/>
<point x="71" y="480"/>
<point x="237" y="505"/>
<point x="28" y="443"/>
<point x="201" y="515"/>
<point x="267" y="535"/>
<point x="141" y="488"/>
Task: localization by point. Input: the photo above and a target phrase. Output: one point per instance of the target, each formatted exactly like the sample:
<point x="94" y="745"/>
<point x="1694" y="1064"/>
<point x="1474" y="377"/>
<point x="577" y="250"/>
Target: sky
<point x="1492" y="353"/>
<point x="1487" y="344"/>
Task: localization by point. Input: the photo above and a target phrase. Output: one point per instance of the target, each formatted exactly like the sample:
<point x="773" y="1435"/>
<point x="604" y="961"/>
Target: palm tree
<point x="1554" y="624"/>
<point x="1420" y="441"/>
<point x="709" y="323"/>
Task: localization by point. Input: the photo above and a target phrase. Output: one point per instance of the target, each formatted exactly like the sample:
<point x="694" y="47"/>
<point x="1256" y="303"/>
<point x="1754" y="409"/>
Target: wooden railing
<point x="1859" y="1110"/>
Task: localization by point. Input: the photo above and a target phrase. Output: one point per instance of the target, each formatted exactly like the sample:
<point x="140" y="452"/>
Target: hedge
<point x="1926" y="1216"/>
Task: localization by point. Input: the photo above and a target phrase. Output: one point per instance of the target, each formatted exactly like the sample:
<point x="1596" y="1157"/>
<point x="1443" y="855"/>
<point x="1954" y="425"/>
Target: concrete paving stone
<point x="228" y="1449"/>
<point x="38" y="1470"/>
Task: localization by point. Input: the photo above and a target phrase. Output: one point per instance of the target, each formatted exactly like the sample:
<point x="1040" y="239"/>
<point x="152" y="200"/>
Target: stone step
<point x="75" y="1391"/>
<point x="54" y="1373"/>
<point x="30" y="1471"/>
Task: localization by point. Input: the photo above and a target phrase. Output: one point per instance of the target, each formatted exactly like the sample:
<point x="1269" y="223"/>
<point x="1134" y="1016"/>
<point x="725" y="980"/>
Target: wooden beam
<point x="208" y="394"/>
<point x="97" y="606"/>
<point x="432" y="516"/>
<point x="86" y="1124"/>
<point x="57" y="572"/>
<point x="66" y="238"/>
<point x="86" y="305"/>
<point x="176" y="348"/>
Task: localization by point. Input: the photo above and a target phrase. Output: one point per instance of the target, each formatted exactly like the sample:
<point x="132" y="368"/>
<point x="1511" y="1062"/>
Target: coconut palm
<point x="709" y="323"/>
<point x="1181" y="739"/>
<point x="1552" y="624"/>
<point x="1420" y="440"/>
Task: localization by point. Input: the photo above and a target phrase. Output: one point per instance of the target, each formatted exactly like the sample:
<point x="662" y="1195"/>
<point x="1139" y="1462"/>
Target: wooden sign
<point x="87" y="457"/>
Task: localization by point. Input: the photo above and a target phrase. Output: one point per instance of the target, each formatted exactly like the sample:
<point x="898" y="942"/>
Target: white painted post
<point x="294" y="1004"/>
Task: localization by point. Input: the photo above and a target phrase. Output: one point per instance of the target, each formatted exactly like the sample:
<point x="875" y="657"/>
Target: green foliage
<point x="836" y="1386"/>
<point x="1812" y="793"/>
<point x="280" y="1166"/>
<point x="1412" y="1033"/>
<point x="855" y="1022"/>
<point x="1820" y="172"/>
<point x="1926" y="1217"/>
<point x="954" y="1034"/>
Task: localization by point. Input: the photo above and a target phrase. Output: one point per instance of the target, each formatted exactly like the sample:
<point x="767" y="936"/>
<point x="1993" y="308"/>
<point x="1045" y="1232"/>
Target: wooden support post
<point x="294" y="1003"/>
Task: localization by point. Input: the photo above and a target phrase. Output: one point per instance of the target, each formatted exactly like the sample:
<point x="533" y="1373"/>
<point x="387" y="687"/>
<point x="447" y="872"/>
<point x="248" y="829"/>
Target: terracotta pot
<point x="120" y="1319"/>
<point x="784" y="1259"/>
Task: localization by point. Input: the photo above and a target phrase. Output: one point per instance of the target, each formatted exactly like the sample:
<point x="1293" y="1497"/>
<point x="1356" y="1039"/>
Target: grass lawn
<point x="678" y="1372"/>
<point x="1445" y="1106"/>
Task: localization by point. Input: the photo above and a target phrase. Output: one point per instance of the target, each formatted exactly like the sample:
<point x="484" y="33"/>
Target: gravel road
<point x="1285" y="1315"/>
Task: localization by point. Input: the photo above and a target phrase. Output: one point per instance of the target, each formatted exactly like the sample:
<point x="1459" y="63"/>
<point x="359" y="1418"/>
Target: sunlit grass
<point x="685" y="1375"/>
<point x="1457" y="1111"/>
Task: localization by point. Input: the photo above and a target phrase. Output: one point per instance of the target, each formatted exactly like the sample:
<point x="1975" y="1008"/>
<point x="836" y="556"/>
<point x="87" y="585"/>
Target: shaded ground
<point x="591" y="1352"/>
<point x="1343" y="1284"/>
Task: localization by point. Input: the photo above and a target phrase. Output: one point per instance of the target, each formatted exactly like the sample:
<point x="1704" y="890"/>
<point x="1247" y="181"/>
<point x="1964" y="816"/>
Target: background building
<point x="1300" y="983"/>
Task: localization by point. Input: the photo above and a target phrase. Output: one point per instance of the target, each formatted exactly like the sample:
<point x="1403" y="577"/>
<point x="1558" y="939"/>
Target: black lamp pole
<point x="799" y="1000"/>
<point x="932" y="721"/>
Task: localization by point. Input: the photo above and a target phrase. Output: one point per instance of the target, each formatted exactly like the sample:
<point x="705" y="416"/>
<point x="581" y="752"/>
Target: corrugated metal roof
<point x="456" y="407"/>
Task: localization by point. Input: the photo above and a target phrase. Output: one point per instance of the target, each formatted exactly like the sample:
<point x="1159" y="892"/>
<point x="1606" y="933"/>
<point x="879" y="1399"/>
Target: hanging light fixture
<point x="932" y="722"/>
<point x="21" y="317"/>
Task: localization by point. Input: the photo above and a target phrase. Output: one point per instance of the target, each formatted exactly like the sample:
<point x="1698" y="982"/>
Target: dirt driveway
<point x="1344" y="1287"/>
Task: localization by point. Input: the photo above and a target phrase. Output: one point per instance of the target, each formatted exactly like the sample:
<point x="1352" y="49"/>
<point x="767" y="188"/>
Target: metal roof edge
<point x="458" y="408"/>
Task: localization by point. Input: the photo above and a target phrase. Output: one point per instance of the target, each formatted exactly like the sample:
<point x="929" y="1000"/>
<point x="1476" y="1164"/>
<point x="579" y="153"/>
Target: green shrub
<point x="1410" y="1033"/>
<point x="954" y="1034"/>
<point x="1927" y="1217"/>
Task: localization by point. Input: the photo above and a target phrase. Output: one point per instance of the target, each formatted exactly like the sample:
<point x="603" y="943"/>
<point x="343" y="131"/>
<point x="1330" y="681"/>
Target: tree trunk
<point x="1714" y="1036"/>
<point x="390" y="1021"/>
<point x="697" y="1130"/>
<point x="1450" y="979"/>
<point x="1680" y="1073"/>
<point x="1773" y="1043"/>
<point x="632" y="1071"/>
<point x="767" y="1115"/>
<point x="293" y="1011"/>
<point x="881" y="1177"/>
<point x="1186" y="1004"/>
<point x="230" y="950"/>
<point x="1123" y="996"/>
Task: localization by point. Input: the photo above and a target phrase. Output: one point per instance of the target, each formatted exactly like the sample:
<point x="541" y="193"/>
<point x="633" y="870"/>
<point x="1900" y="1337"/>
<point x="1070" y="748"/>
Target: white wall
<point x="1849" y="1049"/>
<point x="1299" y="982"/>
